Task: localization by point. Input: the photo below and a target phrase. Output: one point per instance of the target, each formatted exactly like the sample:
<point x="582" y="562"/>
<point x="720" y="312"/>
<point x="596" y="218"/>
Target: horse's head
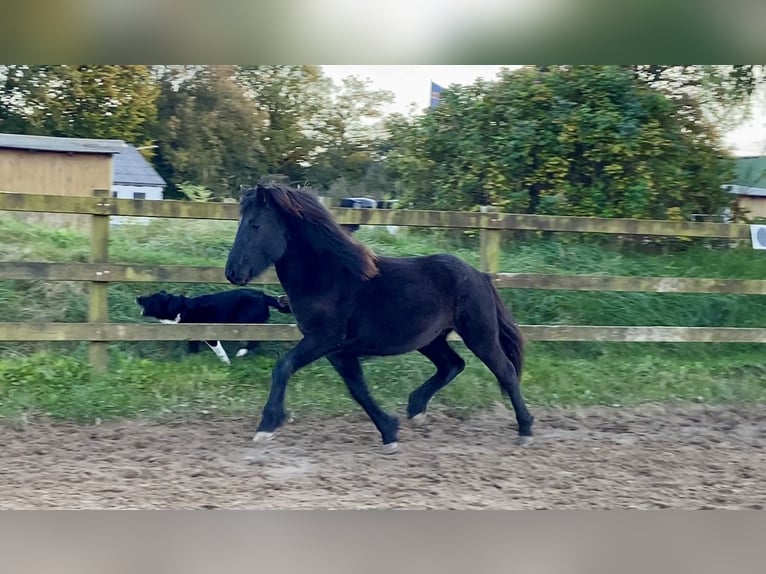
<point x="261" y="237"/>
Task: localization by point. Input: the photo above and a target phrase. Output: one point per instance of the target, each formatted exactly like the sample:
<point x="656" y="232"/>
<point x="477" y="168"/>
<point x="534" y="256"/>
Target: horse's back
<point x="440" y="271"/>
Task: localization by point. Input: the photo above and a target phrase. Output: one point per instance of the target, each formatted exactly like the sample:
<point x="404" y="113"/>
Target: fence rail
<point x="99" y="272"/>
<point x="128" y="273"/>
<point x="404" y="217"/>
<point x="103" y="332"/>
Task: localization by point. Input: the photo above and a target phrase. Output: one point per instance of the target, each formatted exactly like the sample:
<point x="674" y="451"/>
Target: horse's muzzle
<point x="235" y="278"/>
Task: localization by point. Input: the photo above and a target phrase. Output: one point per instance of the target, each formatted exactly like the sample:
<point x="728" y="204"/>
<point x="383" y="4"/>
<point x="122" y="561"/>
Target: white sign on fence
<point x="758" y="236"/>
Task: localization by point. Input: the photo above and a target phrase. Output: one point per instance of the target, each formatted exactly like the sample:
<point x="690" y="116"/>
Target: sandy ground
<point x="647" y="457"/>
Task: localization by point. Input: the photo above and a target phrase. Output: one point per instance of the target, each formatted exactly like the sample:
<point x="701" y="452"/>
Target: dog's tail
<point x="281" y="303"/>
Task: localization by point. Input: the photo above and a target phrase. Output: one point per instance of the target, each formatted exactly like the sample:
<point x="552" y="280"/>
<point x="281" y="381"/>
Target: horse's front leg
<point x="308" y="350"/>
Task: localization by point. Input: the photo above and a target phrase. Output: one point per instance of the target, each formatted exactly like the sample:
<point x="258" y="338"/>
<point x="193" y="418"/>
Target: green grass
<point x="151" y="379"/>
<point x="60" y="386"/>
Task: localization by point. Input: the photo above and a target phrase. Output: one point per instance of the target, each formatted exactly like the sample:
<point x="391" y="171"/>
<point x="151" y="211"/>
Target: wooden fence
<point x="99" y="272"/>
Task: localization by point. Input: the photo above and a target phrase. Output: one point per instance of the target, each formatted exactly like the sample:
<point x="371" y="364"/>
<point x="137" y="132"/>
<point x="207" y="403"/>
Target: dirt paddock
<point x="647" y="457"/>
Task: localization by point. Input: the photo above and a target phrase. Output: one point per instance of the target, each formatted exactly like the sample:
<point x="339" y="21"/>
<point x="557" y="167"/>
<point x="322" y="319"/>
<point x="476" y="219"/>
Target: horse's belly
<point x="395" y="340"/>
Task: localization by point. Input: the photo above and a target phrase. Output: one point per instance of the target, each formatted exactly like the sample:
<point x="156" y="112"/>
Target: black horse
<point x="349" y="303"/>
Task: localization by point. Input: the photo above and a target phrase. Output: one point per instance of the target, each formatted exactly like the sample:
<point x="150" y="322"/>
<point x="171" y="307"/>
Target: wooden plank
<point x="644" y="334"/>
<point x="289" y="332"/>
<point x="489" y="250"/>
<point x="404" y="217"/>
<point x="113" y="206"/>
<point x="98" y="300"/>
<point x="472" y="220"/>
<point x="619" y="226"/>
<point x="118" y="273"/>
<point x="214" y="275"/>
<point x="617" y="283"/>
<point x="146" y="332"/>
<point x="489" y="246"/>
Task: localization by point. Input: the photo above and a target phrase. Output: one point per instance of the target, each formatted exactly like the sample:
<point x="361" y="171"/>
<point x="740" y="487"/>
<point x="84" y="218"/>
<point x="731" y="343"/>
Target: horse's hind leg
<point x="350" y="370"/>
<point x="448" y="366"/>
<point x="485" y="344"/>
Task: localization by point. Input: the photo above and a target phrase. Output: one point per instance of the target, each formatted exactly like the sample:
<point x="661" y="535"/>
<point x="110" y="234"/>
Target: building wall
<point x="52" y="173"/>
<point x="130" y="192"/>
<point x="755" y="205"/>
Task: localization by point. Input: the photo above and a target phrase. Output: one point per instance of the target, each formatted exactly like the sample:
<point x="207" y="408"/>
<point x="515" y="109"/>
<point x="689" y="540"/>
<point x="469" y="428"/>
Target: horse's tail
<point x="511" y="339"/>
<point x="281" y="303"/>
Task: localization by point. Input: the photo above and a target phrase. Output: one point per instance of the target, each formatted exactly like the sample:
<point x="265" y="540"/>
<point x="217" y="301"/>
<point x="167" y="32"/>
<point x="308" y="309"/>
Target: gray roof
<point x="131" y="168"/>
<point x="66" y="145"/>
<point x="746" y="190"/>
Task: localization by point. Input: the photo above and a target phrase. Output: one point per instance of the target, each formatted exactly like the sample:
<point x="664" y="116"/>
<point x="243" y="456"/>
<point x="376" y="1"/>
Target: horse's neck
<point x="304" y="271"/>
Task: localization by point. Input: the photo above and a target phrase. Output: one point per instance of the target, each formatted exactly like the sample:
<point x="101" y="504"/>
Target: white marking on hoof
<point x="242" y="353"/>
<point x="418" y="419"/>
<point x="262" y="436"/>
<point x="171" y="321"/>
<point x="525" y="440"/>
<point x="391" y="448"/>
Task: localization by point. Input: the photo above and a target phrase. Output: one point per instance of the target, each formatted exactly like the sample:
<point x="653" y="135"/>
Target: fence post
<point x="489" y="253"/>
<point x="98" y="303"/>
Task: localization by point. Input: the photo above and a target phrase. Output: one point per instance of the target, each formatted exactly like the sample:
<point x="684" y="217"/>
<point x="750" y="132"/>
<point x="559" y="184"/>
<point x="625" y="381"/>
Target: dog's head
<point x="161" y="305"/>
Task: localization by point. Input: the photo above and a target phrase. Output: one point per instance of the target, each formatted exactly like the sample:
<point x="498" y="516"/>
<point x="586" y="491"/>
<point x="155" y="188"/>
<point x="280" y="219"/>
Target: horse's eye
<point x="255" y="226"/>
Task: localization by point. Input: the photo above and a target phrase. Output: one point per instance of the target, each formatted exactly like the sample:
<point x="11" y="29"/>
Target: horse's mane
<point x="303" y="210"/>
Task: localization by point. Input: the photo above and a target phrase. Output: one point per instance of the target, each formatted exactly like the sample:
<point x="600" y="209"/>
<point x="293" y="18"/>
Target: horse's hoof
<point x="525" y="440"/>
<point x="391" y="448"/>
<point x="261" y="437"/>
<point x="418" y="419"/>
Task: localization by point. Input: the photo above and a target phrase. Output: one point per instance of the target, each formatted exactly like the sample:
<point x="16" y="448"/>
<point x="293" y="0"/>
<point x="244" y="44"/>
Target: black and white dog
<point x="234" y="306"/>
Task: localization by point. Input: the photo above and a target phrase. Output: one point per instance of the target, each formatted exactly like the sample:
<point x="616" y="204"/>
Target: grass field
<point x="159" y="379"/>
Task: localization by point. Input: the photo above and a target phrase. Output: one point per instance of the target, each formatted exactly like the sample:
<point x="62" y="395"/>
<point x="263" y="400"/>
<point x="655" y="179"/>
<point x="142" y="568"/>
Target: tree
<point x="209" y="131"/>
<point x="570" y="140"/>
<point x="113" y="102"/>
<point x="292" y="99"/>
<point x="347" y="135"/>
<point x="724" y="93"/>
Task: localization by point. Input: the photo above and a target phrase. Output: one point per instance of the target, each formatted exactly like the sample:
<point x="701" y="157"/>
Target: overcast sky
<point x="412" y="84"/>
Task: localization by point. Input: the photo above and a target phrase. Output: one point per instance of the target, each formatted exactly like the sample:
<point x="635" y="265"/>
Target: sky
<point x="412" y="84"/>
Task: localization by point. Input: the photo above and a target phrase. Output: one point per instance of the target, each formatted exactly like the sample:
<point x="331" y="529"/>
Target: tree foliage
<point x="227" y="126"/>
<point x="587" y="140"/>
<point x="209" y="131"/>
<point x="724" y="93"/>
<point x="574" y="140"/>
<point x="117" y="102"/>
<point x="292" y="100"/>
<point x="347" y="135"/>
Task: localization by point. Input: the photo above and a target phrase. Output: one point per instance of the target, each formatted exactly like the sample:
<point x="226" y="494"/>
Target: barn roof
<point x="750" y="177"/>
<point x="64" y="145"/>
<point x="750" y="171"/>
<point x="131" y="168"/>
